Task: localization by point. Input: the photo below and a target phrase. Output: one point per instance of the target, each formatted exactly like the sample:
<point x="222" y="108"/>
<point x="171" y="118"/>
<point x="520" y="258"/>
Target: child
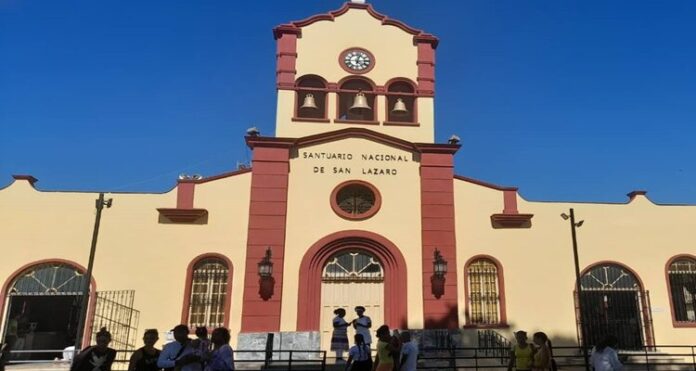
<point x="359" y="356"/>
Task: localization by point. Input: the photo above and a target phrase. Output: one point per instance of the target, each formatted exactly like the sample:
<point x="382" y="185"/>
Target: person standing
<point x="179" y="354"/>
<point x="98" y="357"/>
<point x="409" y="353"/>
<point x="339" y="337"/>
<point x="362" y="324"/>
<point x="384" y="360"/>
<point x="542" y="356"/>
<point x="222" y="356"/>
<point x="604" y="356"/>
<point x="145" y="358"/>
<point x="522" y="353"/>
<point x="359" y="356"/>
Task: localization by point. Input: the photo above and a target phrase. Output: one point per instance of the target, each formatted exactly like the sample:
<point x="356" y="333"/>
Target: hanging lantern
<point x="399" y="108"/>
<point x="439" y="265"/>
<point x="309" y="104"/>
<point x="360" y="104"/>
<point x="266" y="265"/>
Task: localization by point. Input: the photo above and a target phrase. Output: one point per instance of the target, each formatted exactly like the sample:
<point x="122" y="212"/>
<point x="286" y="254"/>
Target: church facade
<point x="352" y="202"/>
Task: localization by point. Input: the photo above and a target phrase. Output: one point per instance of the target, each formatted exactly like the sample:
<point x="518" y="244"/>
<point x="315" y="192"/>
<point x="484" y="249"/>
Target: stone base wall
<point x="282" y="341"/>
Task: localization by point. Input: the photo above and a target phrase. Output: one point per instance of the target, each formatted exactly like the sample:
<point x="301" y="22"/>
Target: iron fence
<point x="295" y="360"/>
<point x="662" y="357"/>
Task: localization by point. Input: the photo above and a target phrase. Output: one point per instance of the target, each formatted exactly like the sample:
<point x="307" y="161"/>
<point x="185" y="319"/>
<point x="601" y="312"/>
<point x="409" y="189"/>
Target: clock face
<point x="357" y="60"/>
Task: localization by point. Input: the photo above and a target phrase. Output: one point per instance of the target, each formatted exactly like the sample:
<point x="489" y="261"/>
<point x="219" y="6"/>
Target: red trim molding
<point x="369" y="213"/>
<point x="184" y="211"/>
<point x="395" y="289"/>
<point x="26" y="177"/>
<point x="183" y="215"/>
<point x="267" y="223"/>
<point x="499" y="221"/>
<point x="645" y="306"/>
<point x="189" y="283"/>
<point x="426" y="65"/>
<point x="353" y="132"/>
<point x="286" y="56"/>
<point x="331" y="16"/>
<point x="501" y="293"/>
<point x="438" y="232"/>
<point x="4" y="294"/>
<point x="675" y="323"/>
<point x="511" y="218"/>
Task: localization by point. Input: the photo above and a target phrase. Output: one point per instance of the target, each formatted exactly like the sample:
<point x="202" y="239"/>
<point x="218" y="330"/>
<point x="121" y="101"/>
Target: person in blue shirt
<point x="222" y="357"/>
<point x="180" y="355"/>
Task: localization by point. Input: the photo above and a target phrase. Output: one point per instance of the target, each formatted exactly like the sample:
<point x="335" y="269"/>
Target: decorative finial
<point x="357" y="1"/>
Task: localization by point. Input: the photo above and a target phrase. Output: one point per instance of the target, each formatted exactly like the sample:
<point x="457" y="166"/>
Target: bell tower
<point x="355" y="67"/>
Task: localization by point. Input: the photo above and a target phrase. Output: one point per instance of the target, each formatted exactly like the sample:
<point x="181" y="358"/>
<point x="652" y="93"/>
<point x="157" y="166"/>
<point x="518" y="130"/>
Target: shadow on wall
<point x="447" y="320"/>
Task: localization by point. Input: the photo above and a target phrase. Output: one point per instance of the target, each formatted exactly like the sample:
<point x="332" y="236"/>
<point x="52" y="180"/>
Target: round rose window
<point x="355" y="200"/>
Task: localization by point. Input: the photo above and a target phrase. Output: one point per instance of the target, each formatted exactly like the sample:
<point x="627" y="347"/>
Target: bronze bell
<point x="309" y="104"/>
<point x="399" y="108"/>
<point x="360" y="104"/>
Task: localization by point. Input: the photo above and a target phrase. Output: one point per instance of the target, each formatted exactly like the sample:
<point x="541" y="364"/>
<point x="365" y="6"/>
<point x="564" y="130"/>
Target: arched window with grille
<point x="681" y="273"/>
<point x="485" y="305"/>
<point x="208" y="287"/>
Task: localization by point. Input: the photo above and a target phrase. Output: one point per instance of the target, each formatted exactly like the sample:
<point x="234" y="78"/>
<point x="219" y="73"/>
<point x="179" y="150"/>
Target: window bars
<point x="208" y="294"/>
<point x="682" y="284"/>
<point x="483" y="293"/>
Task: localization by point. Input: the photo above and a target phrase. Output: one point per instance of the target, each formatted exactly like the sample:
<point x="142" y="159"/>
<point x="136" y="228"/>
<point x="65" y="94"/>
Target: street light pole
<point x="100" y="204"/>
<point x="578" y="286"/>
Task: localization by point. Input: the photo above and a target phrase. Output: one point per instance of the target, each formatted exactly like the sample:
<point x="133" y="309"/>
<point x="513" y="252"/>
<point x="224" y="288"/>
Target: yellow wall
<point x="318" y="53"/>
<point x="134" y="252"/>
<point x="538" y="262"/>
<point x="310" y="216"/>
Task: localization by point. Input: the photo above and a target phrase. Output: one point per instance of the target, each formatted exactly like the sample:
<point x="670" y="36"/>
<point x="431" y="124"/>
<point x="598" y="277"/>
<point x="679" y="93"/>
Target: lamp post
<point x="578" y="286"/>
<point x="100" y="204"/>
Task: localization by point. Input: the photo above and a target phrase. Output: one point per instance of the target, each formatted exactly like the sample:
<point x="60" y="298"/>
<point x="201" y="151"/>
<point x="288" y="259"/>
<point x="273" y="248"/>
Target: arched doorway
<point x="395" y="295"/>
<point x="42" y="306"/>
<point x="351" y="278"/>
<point x="614" y="302"/>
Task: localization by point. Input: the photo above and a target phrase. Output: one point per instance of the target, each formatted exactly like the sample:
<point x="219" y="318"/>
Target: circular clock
<point x="356" y="60"/>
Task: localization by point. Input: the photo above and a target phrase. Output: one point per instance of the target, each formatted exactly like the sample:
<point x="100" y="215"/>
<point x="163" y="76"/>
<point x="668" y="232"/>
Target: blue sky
<point x="568" y="100"/>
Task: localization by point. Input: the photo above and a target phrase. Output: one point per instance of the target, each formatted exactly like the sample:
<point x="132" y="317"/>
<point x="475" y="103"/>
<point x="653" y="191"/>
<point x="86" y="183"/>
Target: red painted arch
<point x="501" y="292"/>
<point x="676" y="323"/>
<point x="87" y="334"/>
<point x="645" y="307"/>
<point x="395" y="275"/>
<point x="189" y="283"/>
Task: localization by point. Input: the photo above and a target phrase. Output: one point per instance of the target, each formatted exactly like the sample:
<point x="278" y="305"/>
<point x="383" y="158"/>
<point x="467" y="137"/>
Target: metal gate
<point x="114" y="310"/>
<point x="613" y="302"/>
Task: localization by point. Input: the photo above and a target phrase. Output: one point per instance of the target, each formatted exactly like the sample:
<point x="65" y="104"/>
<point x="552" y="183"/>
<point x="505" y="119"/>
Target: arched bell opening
<point x="310" y="97"/>
<point x="401" y="102"/>
<point x="356" y="100"/>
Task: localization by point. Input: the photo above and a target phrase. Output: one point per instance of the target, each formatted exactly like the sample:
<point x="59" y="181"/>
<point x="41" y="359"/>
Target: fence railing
<point x="244" y="359"/>
<point x="660" y="357"/>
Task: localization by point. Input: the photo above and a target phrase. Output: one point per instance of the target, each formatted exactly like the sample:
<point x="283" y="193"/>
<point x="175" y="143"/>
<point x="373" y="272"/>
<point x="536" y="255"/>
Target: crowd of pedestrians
<point x="395" y="351"/>
<point x="538" y="355"/>
<point x="183" y="354"/>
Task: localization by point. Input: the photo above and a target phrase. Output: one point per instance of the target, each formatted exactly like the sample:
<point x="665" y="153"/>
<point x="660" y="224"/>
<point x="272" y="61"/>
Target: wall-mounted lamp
<point x="266" y="265"/>
<point x="439" y="265"/>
